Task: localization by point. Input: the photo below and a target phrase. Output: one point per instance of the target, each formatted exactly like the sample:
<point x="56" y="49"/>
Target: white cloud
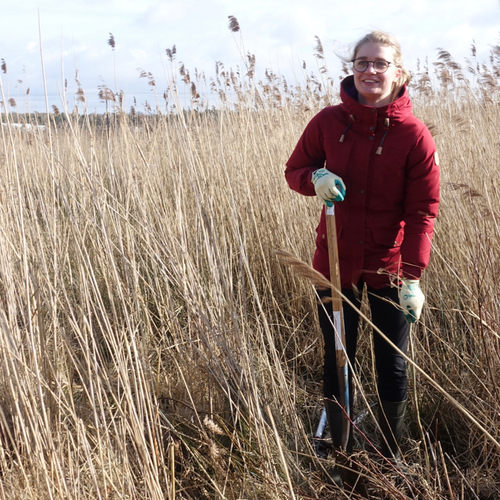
<point x="164" y="13"/>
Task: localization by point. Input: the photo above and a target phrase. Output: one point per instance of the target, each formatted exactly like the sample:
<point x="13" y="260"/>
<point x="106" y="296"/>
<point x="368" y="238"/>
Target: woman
<point x="371" y="157"/>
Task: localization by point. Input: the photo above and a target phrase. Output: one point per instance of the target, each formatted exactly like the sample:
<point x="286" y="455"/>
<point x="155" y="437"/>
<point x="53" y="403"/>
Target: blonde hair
<point x="386" y="39"/>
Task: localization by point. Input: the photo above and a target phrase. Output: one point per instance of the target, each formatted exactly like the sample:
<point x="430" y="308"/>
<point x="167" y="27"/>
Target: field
<point x="153" y="347"/>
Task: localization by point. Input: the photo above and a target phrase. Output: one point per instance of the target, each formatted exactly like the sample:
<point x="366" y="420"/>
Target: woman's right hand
<point x="411" y="299"/>
<point x="328" y="186"/>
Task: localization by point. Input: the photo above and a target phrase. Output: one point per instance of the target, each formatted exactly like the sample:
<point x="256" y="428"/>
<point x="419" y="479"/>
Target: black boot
<point x="391" y="420"/>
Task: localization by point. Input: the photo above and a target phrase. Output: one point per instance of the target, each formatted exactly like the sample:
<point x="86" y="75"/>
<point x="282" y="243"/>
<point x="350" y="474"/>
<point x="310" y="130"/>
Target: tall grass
<point x="152" y="345"/>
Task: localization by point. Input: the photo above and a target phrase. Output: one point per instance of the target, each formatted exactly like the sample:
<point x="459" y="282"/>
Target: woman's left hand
<point x="411" y="299"/>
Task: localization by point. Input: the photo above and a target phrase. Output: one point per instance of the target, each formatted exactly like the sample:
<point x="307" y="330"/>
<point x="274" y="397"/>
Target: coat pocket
<point x="388" y="238"/>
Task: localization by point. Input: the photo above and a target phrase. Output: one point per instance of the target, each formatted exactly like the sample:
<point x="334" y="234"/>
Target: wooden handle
<point x="335" y="280"/>
<point x="338" y="322"/>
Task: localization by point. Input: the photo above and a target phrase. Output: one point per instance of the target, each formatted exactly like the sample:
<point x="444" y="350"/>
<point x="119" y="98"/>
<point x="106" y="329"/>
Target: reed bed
<point x="153" y="346"/>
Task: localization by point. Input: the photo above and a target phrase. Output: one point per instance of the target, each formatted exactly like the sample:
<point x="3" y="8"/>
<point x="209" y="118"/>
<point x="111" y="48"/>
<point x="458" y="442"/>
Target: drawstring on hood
<point x="386" y="124"/>
<point x="353" y="119"/>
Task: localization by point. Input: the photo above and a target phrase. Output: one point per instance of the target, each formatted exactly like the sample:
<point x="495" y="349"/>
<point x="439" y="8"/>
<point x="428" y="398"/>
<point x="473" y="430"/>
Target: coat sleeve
<point x="308" y="156"/>
<point x="420" y="205"/>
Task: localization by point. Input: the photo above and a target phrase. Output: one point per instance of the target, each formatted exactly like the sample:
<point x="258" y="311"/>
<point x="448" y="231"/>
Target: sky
<point x="281" y="34"/>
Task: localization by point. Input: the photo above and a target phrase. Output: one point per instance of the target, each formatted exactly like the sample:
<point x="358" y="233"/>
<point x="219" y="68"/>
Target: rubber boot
<point x="391" y="420"/>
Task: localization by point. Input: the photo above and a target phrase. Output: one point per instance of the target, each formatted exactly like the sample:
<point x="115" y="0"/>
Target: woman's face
<point x="375" y="89"/>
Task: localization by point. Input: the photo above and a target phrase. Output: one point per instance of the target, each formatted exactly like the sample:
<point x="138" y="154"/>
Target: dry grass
<point x="153" y="346"/>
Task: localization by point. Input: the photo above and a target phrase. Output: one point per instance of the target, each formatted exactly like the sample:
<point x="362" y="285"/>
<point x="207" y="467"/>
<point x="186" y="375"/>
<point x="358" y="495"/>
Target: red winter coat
<point x="387" y="160"/>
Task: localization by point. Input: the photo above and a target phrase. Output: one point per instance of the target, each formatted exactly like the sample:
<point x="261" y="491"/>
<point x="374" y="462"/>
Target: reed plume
<point x="303" y="270"/>
<point x="234" y="26"/>
<point x="111" y="41"/>
<point x="171" y="53"/>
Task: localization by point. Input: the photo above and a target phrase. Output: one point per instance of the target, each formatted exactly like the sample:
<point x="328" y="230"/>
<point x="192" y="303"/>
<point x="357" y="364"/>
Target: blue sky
<point x="280" y="34"/>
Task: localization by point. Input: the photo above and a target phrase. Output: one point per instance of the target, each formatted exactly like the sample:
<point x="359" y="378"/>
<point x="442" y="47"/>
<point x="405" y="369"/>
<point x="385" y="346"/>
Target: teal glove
<point x="329" y="187"/>
<point x="411" y="299"/>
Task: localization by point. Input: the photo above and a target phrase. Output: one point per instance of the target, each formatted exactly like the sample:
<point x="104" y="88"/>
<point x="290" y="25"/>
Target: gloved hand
<point x="328" y="186"/>
<point x="411" y="299"/>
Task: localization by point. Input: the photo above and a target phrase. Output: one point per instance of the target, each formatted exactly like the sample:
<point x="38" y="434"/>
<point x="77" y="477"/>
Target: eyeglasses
<point x="380" y="66"/>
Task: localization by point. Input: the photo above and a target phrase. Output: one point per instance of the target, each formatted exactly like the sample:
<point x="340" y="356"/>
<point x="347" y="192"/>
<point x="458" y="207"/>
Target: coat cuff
<point x="411" y="272"/>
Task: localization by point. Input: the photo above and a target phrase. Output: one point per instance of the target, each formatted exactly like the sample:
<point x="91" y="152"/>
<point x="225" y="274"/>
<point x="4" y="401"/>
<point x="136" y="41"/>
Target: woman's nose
<point x="370" y="68"/>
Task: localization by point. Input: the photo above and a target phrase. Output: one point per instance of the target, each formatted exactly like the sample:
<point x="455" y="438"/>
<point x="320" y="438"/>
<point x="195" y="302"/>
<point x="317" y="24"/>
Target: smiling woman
<point x="376" y="162"/>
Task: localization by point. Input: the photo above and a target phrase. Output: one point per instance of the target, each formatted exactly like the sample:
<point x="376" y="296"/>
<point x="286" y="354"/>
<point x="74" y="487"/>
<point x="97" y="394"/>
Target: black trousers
<point x="391" y="366"/>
